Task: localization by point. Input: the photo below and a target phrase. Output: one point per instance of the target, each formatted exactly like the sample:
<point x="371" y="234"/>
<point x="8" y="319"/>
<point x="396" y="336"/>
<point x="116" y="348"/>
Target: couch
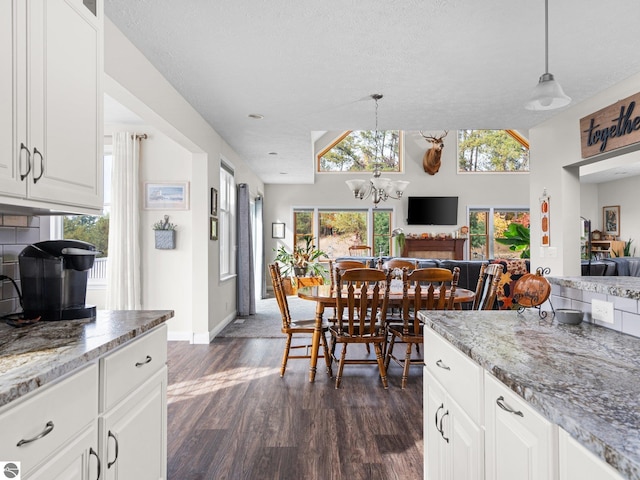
<point x="469" y="272"/>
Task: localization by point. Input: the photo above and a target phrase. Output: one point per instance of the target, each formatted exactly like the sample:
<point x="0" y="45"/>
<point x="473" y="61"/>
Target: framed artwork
<point x="166" y="196"/>
<point x="213" y="228"/>
<point x="611" y="220"/>
<point x="277" y="230"/>
<point x="214" y="202"/>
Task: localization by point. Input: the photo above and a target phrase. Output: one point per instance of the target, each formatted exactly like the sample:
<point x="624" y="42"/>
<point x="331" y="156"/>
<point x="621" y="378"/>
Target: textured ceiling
<point x="311" y="66"/>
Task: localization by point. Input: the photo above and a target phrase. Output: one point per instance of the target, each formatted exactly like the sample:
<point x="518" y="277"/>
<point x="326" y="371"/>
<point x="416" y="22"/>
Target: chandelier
<point x="378" y="188"/>
<point x="548" y="94"/>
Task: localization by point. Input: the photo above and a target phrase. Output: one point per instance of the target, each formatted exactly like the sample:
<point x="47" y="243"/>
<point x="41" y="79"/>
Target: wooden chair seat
<point x="360" y="251"/>
<point x="425" y="282"/>
<point x="293" y="328"/>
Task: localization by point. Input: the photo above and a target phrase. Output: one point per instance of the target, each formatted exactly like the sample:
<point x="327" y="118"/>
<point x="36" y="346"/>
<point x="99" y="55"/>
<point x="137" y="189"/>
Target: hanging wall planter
<point x="165" y="234"/>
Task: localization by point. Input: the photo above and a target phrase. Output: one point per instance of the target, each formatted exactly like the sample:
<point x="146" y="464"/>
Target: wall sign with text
<point x="613" y="127"/>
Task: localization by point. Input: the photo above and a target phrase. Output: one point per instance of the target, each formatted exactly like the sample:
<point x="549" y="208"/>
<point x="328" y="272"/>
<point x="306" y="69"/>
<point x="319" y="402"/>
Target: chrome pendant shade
<point x="548" y="94"/>
<point x="378" y="188"/>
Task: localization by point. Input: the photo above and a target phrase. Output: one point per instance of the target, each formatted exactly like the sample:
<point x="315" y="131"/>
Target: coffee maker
<point x="53" y="277"/>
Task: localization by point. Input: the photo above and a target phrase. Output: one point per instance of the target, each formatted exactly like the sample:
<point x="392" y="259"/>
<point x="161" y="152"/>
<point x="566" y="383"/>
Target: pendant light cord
<point x="546" y="36"/>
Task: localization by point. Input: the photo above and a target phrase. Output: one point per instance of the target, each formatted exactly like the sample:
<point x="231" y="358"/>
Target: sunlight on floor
<point x="216" y="381"/>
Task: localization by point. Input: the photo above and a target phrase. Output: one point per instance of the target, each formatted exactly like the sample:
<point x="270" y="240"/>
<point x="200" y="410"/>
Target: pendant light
<point x="548" y="94"/>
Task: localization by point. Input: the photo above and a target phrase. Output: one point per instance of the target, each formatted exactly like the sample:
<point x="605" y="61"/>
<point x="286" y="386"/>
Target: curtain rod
<point x="141" y="136"/>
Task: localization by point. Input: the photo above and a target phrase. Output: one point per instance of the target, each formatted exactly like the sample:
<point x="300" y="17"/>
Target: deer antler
<point x="434" y="139"/>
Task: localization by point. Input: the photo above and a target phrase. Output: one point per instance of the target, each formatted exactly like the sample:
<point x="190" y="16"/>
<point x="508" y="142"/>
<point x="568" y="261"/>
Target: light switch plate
<point x="602" y="311"/>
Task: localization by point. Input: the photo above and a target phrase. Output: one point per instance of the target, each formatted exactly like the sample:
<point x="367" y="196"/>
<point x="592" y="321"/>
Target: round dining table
<point x="325" y="296"/>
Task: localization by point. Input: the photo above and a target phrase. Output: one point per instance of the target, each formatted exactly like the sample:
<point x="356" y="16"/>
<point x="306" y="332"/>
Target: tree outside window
<point x="357" y="151"/>
<point x="487" y="224"/>
<point x="492" y="151"/>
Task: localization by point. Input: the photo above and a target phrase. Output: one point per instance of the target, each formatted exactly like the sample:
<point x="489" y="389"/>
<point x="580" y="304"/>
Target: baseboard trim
<point x="206" y="338"/>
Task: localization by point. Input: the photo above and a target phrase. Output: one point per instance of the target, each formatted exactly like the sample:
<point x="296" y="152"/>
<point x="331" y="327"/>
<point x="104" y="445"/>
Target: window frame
<point x="512" y="133"/>
<point x="226" y="221"/>
<point x="490" y="228"/>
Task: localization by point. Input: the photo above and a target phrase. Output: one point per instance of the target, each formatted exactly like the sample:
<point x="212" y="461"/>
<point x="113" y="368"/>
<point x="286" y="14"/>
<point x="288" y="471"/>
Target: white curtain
<point x="123" y="262"/>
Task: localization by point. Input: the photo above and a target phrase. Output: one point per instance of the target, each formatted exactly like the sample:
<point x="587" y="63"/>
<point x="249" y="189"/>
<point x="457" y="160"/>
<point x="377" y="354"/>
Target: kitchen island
<point x="78" y="389"/>
<point x="582" y="378"/>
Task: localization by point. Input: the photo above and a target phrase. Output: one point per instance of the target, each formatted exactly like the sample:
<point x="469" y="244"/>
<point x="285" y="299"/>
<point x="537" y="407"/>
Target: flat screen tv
<point x="433" y="211"/>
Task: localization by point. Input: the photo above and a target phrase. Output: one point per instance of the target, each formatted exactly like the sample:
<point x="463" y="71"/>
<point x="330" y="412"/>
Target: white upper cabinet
<point x="51" y="97"/>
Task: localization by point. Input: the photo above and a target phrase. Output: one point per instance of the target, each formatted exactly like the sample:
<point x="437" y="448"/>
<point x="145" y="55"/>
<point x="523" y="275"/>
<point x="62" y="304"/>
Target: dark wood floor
<point x="232" y="417"/>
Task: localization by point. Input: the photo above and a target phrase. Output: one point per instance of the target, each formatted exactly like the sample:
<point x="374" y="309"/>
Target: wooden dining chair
<point x="295" y="327"/>
<point x="394" y="263"/>
<point x="362" y="297"/>
<point x="423" y="289"/>
<point x="360" y="251"/>
<point x="487" y="287"/>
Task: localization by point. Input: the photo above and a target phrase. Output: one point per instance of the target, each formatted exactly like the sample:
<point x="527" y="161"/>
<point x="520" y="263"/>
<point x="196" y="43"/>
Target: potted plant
<point x="517" y="236"/>
<point x="165" y="234"/>
<point x="302" y="261"/>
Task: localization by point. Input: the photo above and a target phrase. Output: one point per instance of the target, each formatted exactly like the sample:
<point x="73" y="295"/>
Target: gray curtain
<point x="246" y="290"/>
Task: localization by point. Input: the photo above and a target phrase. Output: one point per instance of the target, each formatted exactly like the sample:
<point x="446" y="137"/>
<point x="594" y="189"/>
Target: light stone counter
<point x="626" y="287"/>
<point x="584" y="378"/>
<point x="38" y="354"/>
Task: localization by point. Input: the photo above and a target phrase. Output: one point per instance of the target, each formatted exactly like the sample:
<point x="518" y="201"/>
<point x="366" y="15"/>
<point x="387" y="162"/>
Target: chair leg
<point x="285" y="355"/>
<point x="327" y="358"/>
<point x="407" y="364"/>
<point x="383" y="371"/>
<point x="341" y="365"/>
<point x="392" y="342"/>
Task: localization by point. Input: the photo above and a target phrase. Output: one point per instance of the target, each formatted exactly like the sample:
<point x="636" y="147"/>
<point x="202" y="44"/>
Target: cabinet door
<point x="134" y="433"/>
<point x="466" y="444"/>
<point x="519" y="442"/>
<point x="77" y="460"/>
<point x="435" y="448"/>
<point x="12" y="95"/>
<point x="578" y="463"/>
<point x="65" y="102"/>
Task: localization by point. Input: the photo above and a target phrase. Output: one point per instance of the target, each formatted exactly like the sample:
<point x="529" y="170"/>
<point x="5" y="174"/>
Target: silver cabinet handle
<point x="147" y="360"/>
<point x="110" y="464"/>
<point x="36" y="152"/>
<point x="24" y="175"/>
<point x="93" y="452"/>
<point x="47" y="430"/>
<point x="442" y="365"/>
<point x="500" y="403"/>
<point x="439" y="408"/>
<point x="441" y="428"/>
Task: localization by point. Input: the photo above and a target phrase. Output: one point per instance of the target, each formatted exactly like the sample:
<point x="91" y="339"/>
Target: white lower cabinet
<point x="453" y="442"/>
<point x="520" y="443"/>
<point x="578" y="463"/>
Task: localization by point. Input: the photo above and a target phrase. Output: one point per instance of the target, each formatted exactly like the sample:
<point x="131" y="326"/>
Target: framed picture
<point x="213" y="228"/>
<point x="166" y="196"/>
<point x="214" y="202"/>
<point x="611" y="220"/>
<point x="277" y="230"/>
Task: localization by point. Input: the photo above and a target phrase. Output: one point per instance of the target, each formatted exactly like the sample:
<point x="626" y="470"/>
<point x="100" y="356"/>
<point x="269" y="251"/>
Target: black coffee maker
<point x="53" y="277"/>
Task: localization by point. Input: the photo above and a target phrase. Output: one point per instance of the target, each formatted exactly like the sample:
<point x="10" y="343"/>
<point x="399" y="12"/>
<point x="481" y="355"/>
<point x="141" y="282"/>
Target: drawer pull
<point x="110" y="464"/>
<point x="442" y="365"/>
<point x="93" y="452"/>
<point x="47" y="430"/>
<point x="439" y="408"/>
<point x="147" y="360"/>
<point x="36" y="152"/>
<point x="499" y="401"/>
<point x="441" y="428"/>
<point x="24" y="175"/>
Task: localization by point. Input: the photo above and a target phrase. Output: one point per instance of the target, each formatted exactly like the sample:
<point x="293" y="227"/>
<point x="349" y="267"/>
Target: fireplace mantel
<point x="446" y="248"/>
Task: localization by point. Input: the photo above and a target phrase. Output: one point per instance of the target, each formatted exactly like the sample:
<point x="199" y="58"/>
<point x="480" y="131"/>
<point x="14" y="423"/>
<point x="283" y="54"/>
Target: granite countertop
<point x="584" y="378"/>
<point x="36" y="355"/>
<point x="627" y="287"/>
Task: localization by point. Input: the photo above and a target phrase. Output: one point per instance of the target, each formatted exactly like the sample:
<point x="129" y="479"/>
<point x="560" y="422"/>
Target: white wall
<point x="555" y="157"/>
<point x="132" y="81"/>
<point x="330" y="190"/>
<point x="623" y="192"/>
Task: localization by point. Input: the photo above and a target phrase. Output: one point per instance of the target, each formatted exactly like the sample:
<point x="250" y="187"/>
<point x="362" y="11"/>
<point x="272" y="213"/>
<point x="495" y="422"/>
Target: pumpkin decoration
<point x="532" y="289"/>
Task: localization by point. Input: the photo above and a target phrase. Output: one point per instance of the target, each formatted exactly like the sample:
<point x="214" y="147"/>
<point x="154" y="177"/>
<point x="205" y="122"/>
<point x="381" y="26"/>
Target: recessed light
<point x="256" y="116"/>
<point x="273" y="153"/>
<point x="283" y="173"/>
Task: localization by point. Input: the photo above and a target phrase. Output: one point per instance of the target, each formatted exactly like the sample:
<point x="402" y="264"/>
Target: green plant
<point x="627" y="249"/>
<point x="517" y="236"/>
<point x="304" y="256"/>
<point x="164" y="224"/>
<point x="400" y="239"/>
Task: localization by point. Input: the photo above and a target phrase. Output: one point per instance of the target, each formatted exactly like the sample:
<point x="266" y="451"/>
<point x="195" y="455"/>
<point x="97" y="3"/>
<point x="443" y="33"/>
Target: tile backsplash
<point x="16" y="232"/>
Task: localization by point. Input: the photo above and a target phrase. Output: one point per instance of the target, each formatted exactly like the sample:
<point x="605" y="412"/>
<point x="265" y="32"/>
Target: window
<point x="487" y="224"/>
<point x="226" y="222"/>
<point x="340" y="229"/>
<point x="497" y="151"/>
<point x="357" y="151"/>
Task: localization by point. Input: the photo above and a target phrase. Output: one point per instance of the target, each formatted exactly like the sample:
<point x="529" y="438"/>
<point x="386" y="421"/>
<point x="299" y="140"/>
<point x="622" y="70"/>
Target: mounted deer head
<point x="431" y="159"/>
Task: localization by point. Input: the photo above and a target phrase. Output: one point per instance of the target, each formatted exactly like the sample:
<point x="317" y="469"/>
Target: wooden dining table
<point x="325" y="296"/>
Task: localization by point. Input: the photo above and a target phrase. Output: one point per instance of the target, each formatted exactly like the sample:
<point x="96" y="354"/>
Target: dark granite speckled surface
<point x="584" y="378"/>
<point x="40" y="353"/>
